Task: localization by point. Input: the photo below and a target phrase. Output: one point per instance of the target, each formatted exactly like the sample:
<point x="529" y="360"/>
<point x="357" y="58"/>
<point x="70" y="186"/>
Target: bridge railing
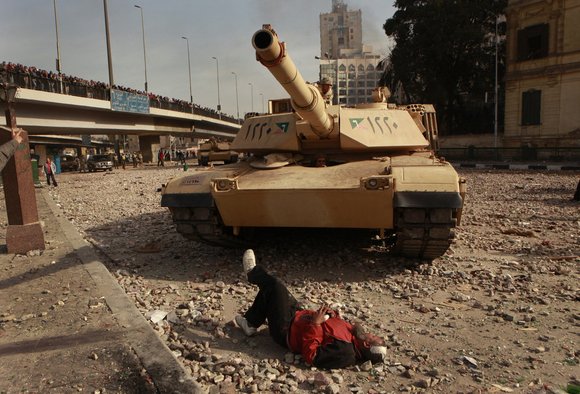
<point x="72" y="88"/>
<point x="97" y="90"/>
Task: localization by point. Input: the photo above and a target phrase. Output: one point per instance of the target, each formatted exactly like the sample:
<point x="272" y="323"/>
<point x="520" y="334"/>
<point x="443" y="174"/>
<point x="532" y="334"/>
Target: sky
<point x="215" y="28"/>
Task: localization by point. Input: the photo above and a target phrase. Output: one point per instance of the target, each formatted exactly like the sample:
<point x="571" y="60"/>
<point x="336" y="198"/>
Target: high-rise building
<point x="340" y="31"/>
<point x="343" y="56"/>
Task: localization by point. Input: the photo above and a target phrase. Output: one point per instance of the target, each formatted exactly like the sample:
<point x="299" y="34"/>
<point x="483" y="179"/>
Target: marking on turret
<point x="262" y="129"/>
<point x="377" y="119"/>
<point x="283" y="126"/>
<point x="354" y="122"/>
<point x="254" y="130"/>
<point x="386" y="122"/>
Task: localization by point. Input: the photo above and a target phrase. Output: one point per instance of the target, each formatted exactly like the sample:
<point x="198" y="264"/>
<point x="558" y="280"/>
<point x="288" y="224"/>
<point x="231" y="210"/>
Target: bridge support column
<point x="24" y="232"/>
<point x="149" y="145"/>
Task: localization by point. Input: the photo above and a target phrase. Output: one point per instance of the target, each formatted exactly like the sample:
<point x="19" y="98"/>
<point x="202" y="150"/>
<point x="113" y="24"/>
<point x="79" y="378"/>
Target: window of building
<point x="340" y="40"/>
<point x="531" y="107"/>
<point x="533" y="42"/>
<point x="361" y="68"/>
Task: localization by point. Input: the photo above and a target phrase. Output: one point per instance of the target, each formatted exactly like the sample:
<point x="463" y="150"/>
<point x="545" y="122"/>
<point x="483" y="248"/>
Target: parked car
<point x="100" y="162"/>
<point x="69" y="163"/>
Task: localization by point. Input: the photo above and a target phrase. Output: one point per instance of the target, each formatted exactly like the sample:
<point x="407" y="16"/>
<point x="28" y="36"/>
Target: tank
<point x="213" y="150"/>
<point x="372" y="166"/>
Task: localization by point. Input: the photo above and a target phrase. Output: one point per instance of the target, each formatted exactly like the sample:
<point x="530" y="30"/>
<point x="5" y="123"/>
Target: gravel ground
<point x="498" y="313"/>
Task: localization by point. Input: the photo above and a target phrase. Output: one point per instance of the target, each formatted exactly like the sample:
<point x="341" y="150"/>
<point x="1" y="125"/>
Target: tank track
<point x="421" y="233"/>
<point x="424" y="233"/>
<point x="205" y="225"/>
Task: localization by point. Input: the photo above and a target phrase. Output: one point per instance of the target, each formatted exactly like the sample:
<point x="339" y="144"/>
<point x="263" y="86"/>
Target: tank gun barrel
<point x="306" y="99"/>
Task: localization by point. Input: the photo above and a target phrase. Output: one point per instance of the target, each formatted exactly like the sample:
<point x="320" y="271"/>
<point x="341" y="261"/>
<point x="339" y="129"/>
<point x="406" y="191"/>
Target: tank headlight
<point x="376" y="182"/>
<point x="224" y="184"/>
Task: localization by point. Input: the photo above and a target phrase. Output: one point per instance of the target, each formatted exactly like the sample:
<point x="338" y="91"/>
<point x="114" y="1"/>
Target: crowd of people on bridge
<point x="30" y="77"/>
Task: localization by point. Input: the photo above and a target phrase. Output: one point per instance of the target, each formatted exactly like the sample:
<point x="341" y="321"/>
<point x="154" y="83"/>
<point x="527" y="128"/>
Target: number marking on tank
<point x="190" y="181"/>
<point x="259" y="129"/>
<point x="375" y="124"/>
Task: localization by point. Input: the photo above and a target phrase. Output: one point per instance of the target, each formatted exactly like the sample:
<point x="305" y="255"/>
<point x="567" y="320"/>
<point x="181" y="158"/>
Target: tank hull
<point x="415" y="196"/>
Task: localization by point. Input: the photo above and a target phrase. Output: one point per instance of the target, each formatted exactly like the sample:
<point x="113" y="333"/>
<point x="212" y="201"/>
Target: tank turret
<point x="306" y="99"/>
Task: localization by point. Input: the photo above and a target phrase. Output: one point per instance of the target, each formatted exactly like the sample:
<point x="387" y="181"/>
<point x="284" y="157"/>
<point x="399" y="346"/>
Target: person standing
<point x="160" y="158"/>
<point x="8" y="149"/>
<point x="83" y="164"/>
<point x="49" y="170"/>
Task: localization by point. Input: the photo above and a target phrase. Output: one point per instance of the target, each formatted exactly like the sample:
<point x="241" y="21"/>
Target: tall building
<point x="543" y="74"/>
<point x="340" y="31"/>
<point x="343" y="56"/>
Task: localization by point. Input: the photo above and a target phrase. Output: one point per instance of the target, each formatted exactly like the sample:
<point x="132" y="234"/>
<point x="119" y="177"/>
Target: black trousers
<point x="273" y="303"/>
<point x="49" y="177"/>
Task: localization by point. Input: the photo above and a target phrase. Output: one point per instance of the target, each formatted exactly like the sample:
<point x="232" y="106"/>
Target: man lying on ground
<point x="322" y="337"/>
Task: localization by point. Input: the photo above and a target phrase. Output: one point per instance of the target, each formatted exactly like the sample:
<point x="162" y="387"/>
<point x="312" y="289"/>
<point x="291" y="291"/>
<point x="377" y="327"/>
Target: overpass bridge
<point x="47" y="113"/>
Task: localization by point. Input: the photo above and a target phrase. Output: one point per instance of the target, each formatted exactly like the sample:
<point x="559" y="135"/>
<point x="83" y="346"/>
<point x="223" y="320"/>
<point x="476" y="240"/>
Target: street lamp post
<point x="109" y="55"/>
<point x="237" y="101"/>
<point x="144" y="52"/>
<point x="262" y="98"/>
<point x="189" y="73"/>
<point x="58" y="68"/>
<point x="217" y="65"/>
<point x="252" y="94"/>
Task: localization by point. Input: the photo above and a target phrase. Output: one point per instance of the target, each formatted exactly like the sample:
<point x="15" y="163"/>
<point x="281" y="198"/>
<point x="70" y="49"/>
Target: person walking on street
<point x="49" y="170"/>
<point x="8" y="149"/>
<point x="322" y="337"/>
<point x="83" y="164"/>
<point x="160" y="158"/>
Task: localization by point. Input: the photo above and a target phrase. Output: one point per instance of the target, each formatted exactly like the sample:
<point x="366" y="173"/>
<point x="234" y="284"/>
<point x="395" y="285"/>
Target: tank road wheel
<point x="203" y="224"/>
<point x="424" y="233"/>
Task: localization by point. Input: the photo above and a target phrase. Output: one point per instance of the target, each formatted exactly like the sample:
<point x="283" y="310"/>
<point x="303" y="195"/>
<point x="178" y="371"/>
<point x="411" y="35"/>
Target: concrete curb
<point x="161" y="364"/>
<point x="506" y="166"/>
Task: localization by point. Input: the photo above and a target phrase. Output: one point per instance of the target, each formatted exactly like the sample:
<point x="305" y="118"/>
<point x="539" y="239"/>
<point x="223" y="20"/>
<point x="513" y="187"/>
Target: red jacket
<point x="305" y="338"/>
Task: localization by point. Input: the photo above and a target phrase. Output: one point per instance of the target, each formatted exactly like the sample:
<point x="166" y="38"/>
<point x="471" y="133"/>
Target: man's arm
<point x="8" y="149"/>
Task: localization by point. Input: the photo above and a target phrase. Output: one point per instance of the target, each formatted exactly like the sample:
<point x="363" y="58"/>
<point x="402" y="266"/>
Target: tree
<point x="444" y="54"/>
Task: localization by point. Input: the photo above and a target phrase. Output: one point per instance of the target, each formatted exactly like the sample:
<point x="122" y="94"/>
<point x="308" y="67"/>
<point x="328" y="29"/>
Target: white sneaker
<point x="249" y="260"/>
<point x="379" y="353"/>
<point x="243" y="324"/>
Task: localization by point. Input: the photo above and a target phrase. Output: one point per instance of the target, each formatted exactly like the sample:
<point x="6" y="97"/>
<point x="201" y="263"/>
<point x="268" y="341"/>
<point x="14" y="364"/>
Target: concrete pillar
<point x="149" y="145"/>
<point x="24" y="232"/>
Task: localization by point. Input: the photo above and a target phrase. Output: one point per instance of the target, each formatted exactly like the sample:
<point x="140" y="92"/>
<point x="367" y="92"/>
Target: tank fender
<point x="428" y="200"/>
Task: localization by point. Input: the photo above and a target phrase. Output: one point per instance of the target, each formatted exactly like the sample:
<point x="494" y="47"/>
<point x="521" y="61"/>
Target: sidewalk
<point x="67" y="326"/>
